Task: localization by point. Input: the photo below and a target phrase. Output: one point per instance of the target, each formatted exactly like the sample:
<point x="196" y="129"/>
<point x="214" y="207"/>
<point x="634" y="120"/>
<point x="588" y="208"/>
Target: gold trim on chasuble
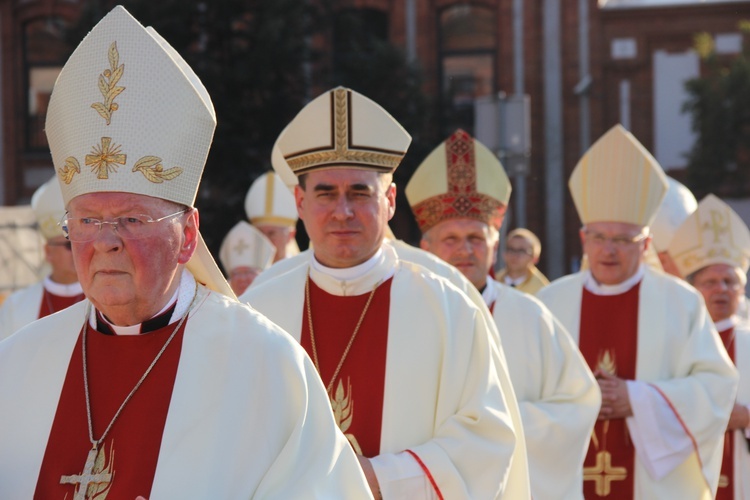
<point x="462" y="199"/>
<point x="105" y="157"/>
<point x="97" y="476"/>
<point x="604" y="473"/>
<point x="342" y="151"/>
<point x="343" y="411"/>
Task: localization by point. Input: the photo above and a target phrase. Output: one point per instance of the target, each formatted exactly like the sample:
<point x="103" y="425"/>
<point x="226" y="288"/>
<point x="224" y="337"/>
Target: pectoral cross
<point x="87" y="477"/>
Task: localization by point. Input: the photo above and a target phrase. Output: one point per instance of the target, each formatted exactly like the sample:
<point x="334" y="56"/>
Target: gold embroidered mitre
<point x="678" y="204"/>
<point x="127" y="114"/>
<point x="244" y="245"/>
<point x="269" y="201"/>
<point x="460" y="178"/>
<point x="712" y="234"/>
<point x="617" y="180"/>
<point x="339" y="129"/>
<point x="48" y="207"/>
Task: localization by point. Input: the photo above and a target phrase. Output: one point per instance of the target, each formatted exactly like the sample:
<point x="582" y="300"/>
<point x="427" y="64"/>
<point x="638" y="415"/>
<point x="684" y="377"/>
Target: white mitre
<point x="617" y="180"/>
<point x="269" y="201"/>
<point x="246" y="246"/>
<point x="49" y="209"/>
<point x="127" y="114"/>
<point x="712" y="234"/>
<point x="678" y="204"/>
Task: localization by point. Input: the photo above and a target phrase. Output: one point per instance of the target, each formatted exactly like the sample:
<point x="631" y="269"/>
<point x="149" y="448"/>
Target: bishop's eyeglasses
<point x="128" y="227"/>
<point x="618" y="241"/>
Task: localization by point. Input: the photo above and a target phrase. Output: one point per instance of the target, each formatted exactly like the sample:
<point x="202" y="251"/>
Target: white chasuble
<point x="686" y="375"/>
<point x="20" y="308"/>
<point x="248" y="417"/>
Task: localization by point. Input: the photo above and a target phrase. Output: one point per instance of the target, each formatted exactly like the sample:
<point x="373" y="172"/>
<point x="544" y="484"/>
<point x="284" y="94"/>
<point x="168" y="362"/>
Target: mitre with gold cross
<point x="48" y="207"/>
<point x="246" y="246"/>
<point x="461" y="178"/>
<point x="712" y="234"/>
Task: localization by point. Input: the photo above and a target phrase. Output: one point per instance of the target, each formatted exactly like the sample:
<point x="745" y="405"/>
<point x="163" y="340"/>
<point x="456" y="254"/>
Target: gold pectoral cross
<point x="89" y="479"/>
<point x="603" y="473"/>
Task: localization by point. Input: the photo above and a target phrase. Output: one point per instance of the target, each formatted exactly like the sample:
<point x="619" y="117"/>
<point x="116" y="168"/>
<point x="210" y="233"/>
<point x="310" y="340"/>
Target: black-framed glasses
<point x="128" y="227"/>
<point x="518" y="251"/>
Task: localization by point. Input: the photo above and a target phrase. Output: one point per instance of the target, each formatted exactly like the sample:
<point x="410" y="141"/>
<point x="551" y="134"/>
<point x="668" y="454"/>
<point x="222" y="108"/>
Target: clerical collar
<point x="61" y="290"/>
<point x="513" y="281"/>
<point x="177" y="306"/>
<point x="350" y="273"/>
<point x="489" y="294"/>
<point x="726" y="323"/>
<point x="590" y="284"/>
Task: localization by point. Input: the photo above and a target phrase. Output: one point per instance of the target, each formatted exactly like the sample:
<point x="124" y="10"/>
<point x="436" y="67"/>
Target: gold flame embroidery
<point x="104" y="158"/>
<point x="152" y="169"/>
<point x="108" y="85"/>
<point x="71" y="168"/>
<point x="343" y="412"/>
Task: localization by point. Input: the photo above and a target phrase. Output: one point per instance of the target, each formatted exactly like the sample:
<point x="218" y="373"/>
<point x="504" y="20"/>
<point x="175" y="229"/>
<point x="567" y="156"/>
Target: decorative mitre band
<point x="617" y="180"/>
<point x="128" y="114"/>
<point x="269" y="201"/>
<point x="246" y="246"/>
<point x="678" y="204"/>
<point x="48" y="207"/>
<point x="340" y="129"/>
<point x="712" y="234"/>
<point x="460" y="178"/>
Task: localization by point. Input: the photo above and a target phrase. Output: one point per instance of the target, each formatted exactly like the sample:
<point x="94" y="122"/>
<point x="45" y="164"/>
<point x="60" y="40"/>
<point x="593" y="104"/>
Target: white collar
<point x="358" y="279"/>
<point x="490" y="292"/>
<point x="726" y="323"/>
<point x="514" y="281"/>
<point x="61" y="290"/>
<point x="590" y="284"/>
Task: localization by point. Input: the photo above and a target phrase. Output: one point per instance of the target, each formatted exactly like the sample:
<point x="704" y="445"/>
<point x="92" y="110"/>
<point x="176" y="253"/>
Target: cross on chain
<point x="87" y="477"/>
<point x="603" y="473"/>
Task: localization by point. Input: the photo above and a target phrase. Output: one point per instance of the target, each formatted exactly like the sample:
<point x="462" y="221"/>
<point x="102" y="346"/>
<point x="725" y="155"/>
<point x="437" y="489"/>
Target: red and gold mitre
<point x="460" y="178"/>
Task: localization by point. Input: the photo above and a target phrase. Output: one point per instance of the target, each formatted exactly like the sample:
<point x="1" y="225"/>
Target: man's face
<point x="721" y="288"/>
<point x="242" y="277"/>
<point x="518" y="255"/>
<point x="280" y="236"/>
<point x="57" y="251"/>
<point x="130" y="280"/>
<point x="614" y="250"/>
<point x="466" y="244"/>
<point x="345" y="212"/>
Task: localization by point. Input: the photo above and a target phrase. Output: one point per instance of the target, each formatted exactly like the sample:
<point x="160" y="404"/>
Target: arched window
<point x="467" y="54"/>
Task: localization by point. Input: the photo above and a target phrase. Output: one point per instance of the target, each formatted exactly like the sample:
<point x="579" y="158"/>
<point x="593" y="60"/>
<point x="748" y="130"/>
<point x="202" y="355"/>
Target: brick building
<point x="585" y="65"/>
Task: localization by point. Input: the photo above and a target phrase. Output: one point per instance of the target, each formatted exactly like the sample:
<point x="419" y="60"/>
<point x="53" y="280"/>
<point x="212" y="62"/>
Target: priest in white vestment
<point x="159" y="385"/>
<point x="667" y="383"/>
<point x="269" y="206"/>
<point x="678" y="204"/>
<point x="557" y="393"/>
<point x="711" y="248"/>
<point x="60" y="288"/>
<point x="417" y="390"/>
<point x="245" y="252"/>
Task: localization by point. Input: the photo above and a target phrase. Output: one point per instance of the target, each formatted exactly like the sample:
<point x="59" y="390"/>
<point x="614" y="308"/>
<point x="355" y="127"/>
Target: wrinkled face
<point x="130" y="280"/>
<point x="466" y="244"/>
<point x="345" y="212"/>
<point x="614" y="250"/>
<point x="721" y="288"/>
<point x="57" y="251"/>
<point x="242" y="277"/>
<point x="279" y="236"/>
<point x="518" y="255"/>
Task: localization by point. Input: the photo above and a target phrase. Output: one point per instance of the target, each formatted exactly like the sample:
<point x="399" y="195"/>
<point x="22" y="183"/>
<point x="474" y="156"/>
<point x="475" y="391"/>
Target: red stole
<point x="609" y="341"/>
<point x="726" y="480"/>
<point x="52" y="303"/>
<point x="357" y="395"/>
<point x="115" y="364"/>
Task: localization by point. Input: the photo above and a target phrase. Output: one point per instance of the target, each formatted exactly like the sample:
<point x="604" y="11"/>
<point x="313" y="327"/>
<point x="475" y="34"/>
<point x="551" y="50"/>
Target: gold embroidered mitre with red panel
<point x="339" y="129"/>
<point x="713" y="234"/>
<point x="127" y="114"/>
<point x="461" y="178"/>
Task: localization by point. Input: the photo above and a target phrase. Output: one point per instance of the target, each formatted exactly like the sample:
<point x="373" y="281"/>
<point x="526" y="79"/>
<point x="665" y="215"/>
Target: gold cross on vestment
<point x="603" y="473"/>
<point x="87" y="477"/>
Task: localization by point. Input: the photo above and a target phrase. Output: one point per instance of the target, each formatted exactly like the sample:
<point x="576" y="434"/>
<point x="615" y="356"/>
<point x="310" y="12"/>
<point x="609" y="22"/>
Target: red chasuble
<point x="608" y="342"/>
<point x="52" y="303"/>
<point x="726" y="480"/>
<point x="357" y="394"/>
<point x="115" y="364"/>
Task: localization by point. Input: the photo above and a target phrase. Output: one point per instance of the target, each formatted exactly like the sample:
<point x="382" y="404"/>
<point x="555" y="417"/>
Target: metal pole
<point x="519" y="179"/>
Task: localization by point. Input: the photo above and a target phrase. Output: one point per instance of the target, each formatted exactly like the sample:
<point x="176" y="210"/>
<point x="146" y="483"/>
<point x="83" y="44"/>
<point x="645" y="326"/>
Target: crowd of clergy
<point x="363" y="366"/>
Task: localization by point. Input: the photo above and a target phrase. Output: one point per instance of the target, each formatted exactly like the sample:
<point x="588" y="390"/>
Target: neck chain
<point x="97" y="442"/>
<point x="351" y="340"/>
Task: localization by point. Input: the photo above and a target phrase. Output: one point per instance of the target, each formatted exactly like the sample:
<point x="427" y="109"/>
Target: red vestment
<point x="52" y="303"/>
<point x="726" y="479"/>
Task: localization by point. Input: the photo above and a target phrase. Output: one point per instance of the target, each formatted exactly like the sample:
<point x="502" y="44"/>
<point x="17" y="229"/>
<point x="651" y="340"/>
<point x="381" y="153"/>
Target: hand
<point x="615" y="399"/>
<point x="372" y="479"/>
<point x="739" y="418"/>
